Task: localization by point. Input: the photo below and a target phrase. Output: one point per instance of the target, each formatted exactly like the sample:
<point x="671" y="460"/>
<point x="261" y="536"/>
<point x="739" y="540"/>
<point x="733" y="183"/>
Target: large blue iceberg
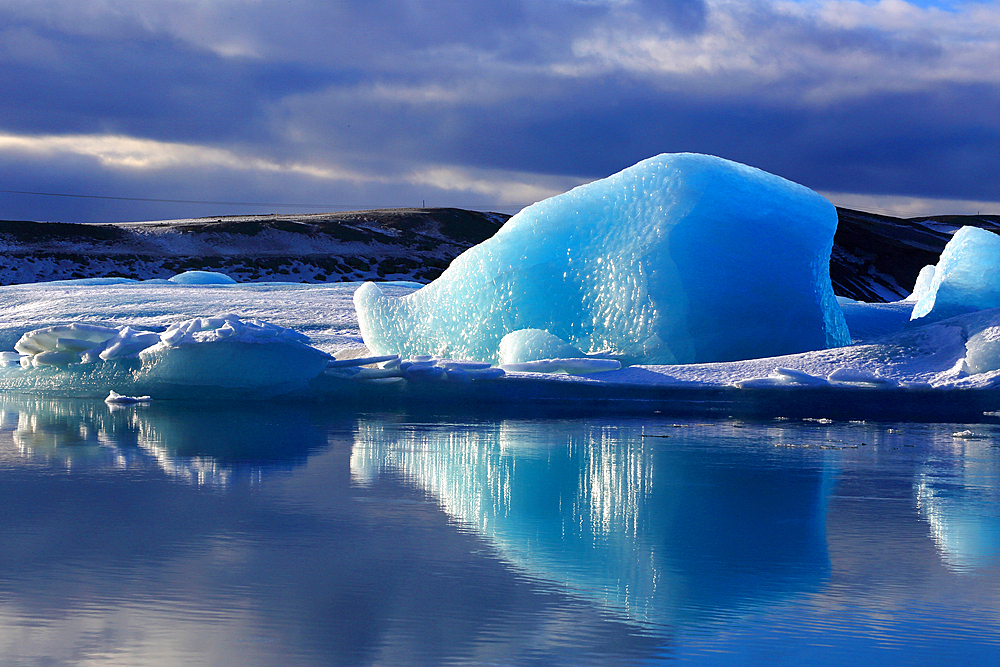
<point x="679" y="259"/>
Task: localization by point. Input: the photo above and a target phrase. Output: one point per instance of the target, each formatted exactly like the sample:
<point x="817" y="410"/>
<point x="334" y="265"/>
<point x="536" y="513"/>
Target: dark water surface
<point x="176" y="534"/>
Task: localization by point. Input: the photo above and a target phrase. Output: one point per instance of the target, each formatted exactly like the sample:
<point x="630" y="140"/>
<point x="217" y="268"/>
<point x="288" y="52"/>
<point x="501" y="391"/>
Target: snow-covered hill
<point x="393" y="244"/>
<point x="875" y="258"/>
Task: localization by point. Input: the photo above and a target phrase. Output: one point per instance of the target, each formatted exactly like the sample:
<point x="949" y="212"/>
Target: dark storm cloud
<point x="841" y="97"/>
<point x="144" y="84"/>
<point x="885" y="142"/>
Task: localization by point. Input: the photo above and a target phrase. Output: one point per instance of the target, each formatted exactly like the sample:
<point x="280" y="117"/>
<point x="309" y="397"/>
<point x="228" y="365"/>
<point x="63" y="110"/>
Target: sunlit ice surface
<point x="681" y="258"/>
<point x="229" y="534"/>
<point x="325" y="313"/>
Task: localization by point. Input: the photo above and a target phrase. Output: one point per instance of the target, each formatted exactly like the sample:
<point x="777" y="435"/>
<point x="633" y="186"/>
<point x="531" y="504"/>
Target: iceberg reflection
<point x="960" y="499"/>
<point x="305" y="568"/>
<point x="664" y="532"/>
<point x="202" y="445"/>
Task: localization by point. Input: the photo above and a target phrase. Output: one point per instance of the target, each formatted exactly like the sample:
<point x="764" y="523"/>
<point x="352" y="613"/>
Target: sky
<point x="118" y="110"/>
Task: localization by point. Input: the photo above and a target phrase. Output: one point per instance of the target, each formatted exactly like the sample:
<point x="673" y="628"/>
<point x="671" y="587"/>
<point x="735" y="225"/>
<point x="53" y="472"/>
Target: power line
<point x="183" y="201"/>
<point x="327" y="207"/>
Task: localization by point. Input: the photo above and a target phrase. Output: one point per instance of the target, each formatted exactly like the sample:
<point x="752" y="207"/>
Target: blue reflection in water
<point x="959" y="496"/>
<point x="654" y="527"/>
<point x="297" y="535"/>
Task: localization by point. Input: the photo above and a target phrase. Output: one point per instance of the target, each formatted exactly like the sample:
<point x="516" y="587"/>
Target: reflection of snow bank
<point x="210" y="446"/>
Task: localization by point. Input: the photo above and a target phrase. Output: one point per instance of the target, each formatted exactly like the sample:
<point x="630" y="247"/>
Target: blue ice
<point x="680" y="258"/>
<point x="202" y="278"/>
<point x="966" y="278"/>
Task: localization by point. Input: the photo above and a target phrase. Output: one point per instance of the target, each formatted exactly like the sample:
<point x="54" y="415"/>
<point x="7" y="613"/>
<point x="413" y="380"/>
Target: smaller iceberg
<point x="190" y="358"/>
<point x="202" y="278"/>
<point x="228" y="352"/>
<point x="966" y="278"/>
<point x="537" y="351"/>
<point x="534" y="344"/>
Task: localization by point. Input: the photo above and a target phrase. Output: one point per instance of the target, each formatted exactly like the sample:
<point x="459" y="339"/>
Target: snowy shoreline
<point x="913" y="373"/>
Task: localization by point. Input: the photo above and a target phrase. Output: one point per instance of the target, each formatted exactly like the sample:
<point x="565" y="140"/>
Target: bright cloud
<point x="504" y="188"/>
<point x="841" y="47"/>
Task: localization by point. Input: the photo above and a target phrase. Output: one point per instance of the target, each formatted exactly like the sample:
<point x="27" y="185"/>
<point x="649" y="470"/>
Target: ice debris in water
<point x="679" y="259"/>
<point x="781" y="377"/>
<point x="966" y="278"/>
<point x="119" y="399"/>
<point x="854" y="376"/>
<point x="419" y="368"/>
<point x="843" y="377"/>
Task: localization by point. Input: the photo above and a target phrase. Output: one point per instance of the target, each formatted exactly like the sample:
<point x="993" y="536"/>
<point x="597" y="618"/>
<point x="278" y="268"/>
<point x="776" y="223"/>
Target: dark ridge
<point x="389" y="244"/>
<point x="35" y="232"/>
<point x="876" y="258"/>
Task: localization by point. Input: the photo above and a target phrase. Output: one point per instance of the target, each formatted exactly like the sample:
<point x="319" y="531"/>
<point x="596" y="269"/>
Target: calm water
<point x="254" y="535"/>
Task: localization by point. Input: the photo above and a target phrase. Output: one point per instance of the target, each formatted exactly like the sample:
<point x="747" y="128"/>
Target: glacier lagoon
<point x="384" y="509"/>
<point x="261" y="534"/>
